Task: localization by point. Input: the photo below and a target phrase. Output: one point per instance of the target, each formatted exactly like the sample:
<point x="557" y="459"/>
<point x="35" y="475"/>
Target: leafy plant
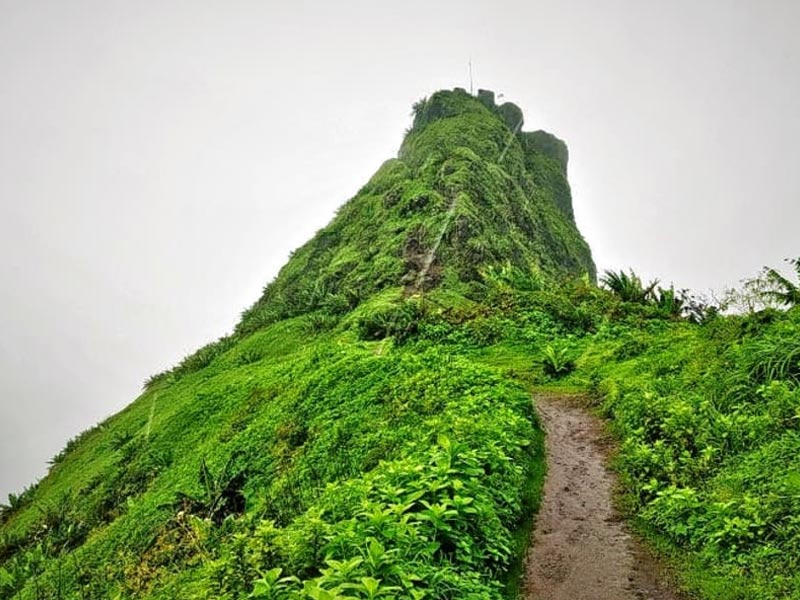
<point x="221" y="494"/>
<point x="785" y="292"/>
<point x="628" y="286"/>
<point x="513" y="278"/>
<point x="399" y="321"/>
<point x="16" y="502"/>
<point x="557" y="361"/>
<point x="774" y="358"/>
<point x="670" y="302"/>
<point x="271" y="584"/>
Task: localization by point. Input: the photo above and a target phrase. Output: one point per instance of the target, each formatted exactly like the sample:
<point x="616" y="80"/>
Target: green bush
<point x="708" y="417"/>
<point x="557" y="362"/>
<point x="628" y="286"/>
<point x="394" y="320"/>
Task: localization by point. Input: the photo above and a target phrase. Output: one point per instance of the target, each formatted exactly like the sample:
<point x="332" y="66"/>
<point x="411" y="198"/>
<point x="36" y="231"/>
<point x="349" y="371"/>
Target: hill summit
<point x="468" y="190"/>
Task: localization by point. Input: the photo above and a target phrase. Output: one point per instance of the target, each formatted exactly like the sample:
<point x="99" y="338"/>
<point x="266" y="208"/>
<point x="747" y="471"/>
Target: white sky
<point x="159" y="160"/>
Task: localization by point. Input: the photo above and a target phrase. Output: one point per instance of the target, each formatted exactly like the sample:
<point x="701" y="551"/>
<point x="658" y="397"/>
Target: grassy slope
<point x="346" y="443"/>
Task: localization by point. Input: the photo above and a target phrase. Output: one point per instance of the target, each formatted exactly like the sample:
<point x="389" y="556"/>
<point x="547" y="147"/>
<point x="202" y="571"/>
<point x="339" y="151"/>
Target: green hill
<point x="468" y="190"/>
<point x="367" y="429"/>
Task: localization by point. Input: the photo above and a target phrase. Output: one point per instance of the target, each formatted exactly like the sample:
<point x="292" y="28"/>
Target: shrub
<point x="221" y="494"/>
<point x="774" y="358"/>
<point x="557" y="362"/>
<point x="784" y="291"/>
<point x="393" y="320"/>
<point x="204" y="356"/>
<point x="670" y="302"/>
<point x="628" y="286"/>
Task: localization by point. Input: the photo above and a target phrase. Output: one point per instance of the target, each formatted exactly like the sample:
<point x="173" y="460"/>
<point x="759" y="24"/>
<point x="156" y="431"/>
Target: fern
<point x="628" y="286"/>
<point x="557" y="362"/>
<point x="785" y="291"/>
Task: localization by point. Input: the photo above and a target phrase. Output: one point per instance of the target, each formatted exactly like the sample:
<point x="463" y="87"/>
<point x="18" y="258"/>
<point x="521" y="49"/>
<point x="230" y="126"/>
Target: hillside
<point x="468" y="190"/>
<point x="367" y="430"/>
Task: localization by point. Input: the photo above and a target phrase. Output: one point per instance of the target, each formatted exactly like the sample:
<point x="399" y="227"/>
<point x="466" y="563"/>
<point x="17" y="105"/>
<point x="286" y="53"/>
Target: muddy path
<point x="581" y="549"/>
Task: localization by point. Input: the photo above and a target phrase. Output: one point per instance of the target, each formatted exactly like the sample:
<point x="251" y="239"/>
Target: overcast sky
<point x="159" y="160"/>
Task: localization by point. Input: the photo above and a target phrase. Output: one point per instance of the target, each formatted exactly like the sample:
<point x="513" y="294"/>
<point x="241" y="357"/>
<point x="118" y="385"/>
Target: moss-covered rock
<point x="549" y="145"/>
<point x="512" y="116"/>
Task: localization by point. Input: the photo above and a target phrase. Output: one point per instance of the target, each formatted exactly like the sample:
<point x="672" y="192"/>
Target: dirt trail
<point x="581" y="549"/>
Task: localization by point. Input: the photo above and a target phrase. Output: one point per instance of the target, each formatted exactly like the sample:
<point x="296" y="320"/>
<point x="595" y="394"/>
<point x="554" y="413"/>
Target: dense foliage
<point x="352" y="467"/>
<point x="367" y="431"/>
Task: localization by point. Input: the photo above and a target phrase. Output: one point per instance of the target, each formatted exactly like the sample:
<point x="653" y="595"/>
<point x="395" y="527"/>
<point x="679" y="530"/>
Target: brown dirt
<point x="581" y="549"/>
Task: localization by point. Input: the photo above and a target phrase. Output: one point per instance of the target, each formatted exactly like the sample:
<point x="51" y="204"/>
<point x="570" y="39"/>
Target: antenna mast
<point x="470" y="76"/>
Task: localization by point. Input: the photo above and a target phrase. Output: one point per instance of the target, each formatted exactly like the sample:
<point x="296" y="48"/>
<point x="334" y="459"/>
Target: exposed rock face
<point x="551" y="146"/>
<point x="512" y="115"/>
<point x="487" y="97"/>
